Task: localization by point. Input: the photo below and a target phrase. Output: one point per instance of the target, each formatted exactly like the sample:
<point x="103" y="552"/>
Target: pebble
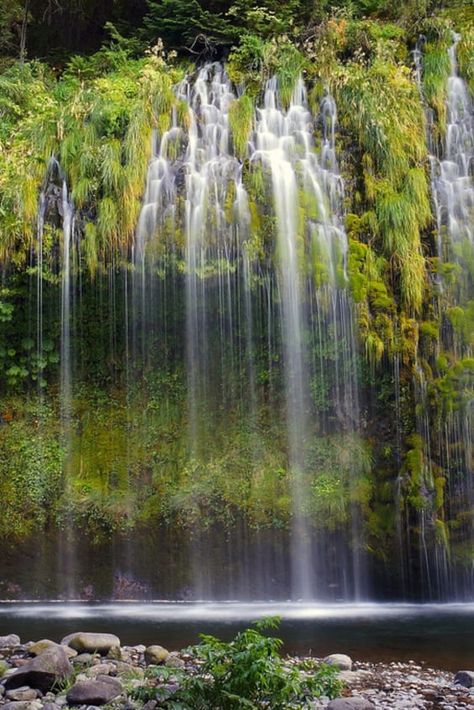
<point x="23" y="693"/>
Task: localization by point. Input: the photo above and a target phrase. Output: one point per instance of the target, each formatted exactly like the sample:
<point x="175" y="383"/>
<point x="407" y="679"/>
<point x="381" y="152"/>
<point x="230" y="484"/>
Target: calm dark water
<point x="442" y="635"/>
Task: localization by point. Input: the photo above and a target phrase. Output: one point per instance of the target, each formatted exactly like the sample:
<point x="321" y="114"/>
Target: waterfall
<point x="67" y="542"/>
<point x="196" y="206"/>
<point x="452" y="186"/>
<point x="283" y="143"/>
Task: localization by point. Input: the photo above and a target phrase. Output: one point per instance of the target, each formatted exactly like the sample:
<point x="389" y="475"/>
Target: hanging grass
<point x="89" y="248"/>
<point x="111" y="165"/>
<point x="241" y="119"/>
<point x="289" y="65"/>
<point x="83" y="191"/>
<point x="108" y="220"/>
<point x="436" y="70"/>
<point x="98" y="125"/>
<point x="466" y="57"/>
<point x="412" y="280"/>
<point x="381" y="108"/>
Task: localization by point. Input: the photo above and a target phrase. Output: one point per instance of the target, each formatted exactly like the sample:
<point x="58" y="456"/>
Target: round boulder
<point x="9" y="641"/>
<point x="94" y="692"/>
<point x="23" y="693"/>
<point x="154" y="655"/>
<point x="85" y="642"/>
<point x="465" y="678"/>
<point x="39" y="646"/>
<point x="174" y="661"/>
<point x="22" y="705"/>
<point x="340" y="660"/>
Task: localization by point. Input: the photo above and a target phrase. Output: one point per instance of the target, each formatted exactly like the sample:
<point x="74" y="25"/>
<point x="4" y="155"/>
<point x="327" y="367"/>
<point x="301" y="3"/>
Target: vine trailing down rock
<point x="237" y="309"/>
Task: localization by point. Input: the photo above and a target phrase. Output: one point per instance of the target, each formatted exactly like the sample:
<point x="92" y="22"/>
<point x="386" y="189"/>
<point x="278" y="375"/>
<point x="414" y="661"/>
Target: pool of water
<point x="442" y="635"/>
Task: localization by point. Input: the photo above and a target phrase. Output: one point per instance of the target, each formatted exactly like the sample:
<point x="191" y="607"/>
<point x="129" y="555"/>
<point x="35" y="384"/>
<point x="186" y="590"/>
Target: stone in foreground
<point x="340" y="660"/>
<point x="23" y="693"/>
<point x="350" y="704"/>
<point x="94" y="692"/>
<point x="85" y="642"/>
<point x="154" y="655"/>
<point x="9" y="641"/>
<point x="40" y="646"/>
<point x="465" y="678"/>
<point x="41" y="672"/>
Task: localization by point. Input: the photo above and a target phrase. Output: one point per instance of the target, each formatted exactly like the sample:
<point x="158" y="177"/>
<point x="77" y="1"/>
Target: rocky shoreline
<point x="91" y="670"/>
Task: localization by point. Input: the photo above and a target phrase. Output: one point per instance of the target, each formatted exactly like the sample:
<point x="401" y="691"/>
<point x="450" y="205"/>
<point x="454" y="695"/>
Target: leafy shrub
<point x="246" y="672"/>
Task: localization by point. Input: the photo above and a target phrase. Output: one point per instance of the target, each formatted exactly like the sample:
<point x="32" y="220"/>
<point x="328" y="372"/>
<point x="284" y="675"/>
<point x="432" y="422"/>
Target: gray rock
<point x="350" y="704"/>
<point x="23" y="693"/>
<point x="39" y="646"/>
<point x="90" y="642"/>
<point x="36" y="648"/>
<point x="94" y="692"/>
<point x="84" y="659"/>
<point x="41" y="672"/>
<point x="101" y="669"/>
<point x="343" y="662"/>
<point x="154" y="655"/>
<point x="9" y="641"/>
<point x="350" y="677"/>
<point x="50" y="706"/>
<point x="465" y="678"/>
<point x="128" y="669"/>
<point x="117" y="653"/>
<point x="22" y="705"/>
<point x="174" y="661"/>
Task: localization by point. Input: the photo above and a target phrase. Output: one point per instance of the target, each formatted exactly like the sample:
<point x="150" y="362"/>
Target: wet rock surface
<point x="107" y="673"/>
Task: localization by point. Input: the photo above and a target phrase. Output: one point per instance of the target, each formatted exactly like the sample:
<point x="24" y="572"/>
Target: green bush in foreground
<point x="246" y="672"/>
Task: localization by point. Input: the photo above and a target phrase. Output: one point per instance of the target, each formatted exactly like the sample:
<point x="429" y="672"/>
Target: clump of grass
<point x="381" y="107"/>
<point x="436" y="70"/>
<point x="466" y="57"/>
<point x="241" y="119"/>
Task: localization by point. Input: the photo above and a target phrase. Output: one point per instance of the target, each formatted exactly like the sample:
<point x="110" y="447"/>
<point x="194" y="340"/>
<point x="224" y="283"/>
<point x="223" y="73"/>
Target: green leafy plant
<point x="246" y="672"/>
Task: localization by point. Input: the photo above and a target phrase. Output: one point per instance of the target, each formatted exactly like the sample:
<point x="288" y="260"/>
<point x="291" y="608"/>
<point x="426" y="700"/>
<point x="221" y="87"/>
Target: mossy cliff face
<point x="118" y="463"/>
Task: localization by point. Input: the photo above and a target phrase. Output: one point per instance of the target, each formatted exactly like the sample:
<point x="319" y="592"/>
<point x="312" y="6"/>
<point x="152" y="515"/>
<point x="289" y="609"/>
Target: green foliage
<point x="246" y="672"/>
<point x="466" y="57"/>
<point x="185" y="23"/>
<point x="436" y="69"/>
<point x="241" y="118"/>
<point x="381" y="108"/>
<point x="30" y="467"/>
<point x="12" y="14"/>
<point x="97" y="118"/>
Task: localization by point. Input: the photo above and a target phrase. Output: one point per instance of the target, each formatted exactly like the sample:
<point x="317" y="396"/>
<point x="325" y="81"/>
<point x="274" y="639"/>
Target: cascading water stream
<point x="68" y="544"/>
<point x="283" y="143"/>
<point x="452" y="186"/>
<point x="226" y="290"/>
